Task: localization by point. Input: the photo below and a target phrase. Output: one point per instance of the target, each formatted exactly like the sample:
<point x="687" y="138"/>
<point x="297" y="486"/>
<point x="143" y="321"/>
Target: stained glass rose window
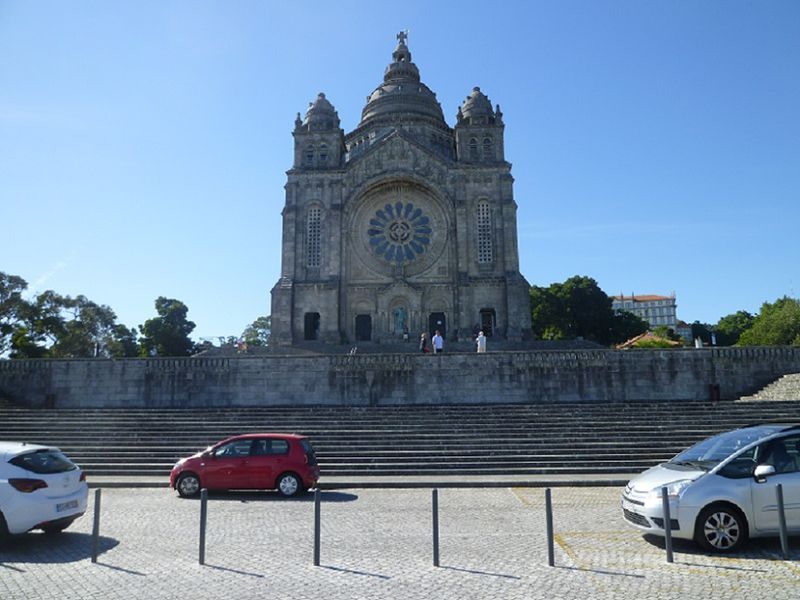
<point x="399" y="232"/>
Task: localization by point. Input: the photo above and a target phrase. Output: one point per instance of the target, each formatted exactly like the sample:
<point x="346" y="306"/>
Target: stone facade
<point x="402" y="225"/>
<point x="397" y="379"/>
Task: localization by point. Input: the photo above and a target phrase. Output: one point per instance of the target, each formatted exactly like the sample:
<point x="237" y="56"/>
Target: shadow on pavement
<point x="229" y="570"/>
<point x="754" y="549"/>
<point x="115" y="568"/>
<point x="354" y="572"/>
<point x="42" y="548"/>
<point x="476" y="572"/>
<point x="600" y="571"/>
<point x="273" y="496"/>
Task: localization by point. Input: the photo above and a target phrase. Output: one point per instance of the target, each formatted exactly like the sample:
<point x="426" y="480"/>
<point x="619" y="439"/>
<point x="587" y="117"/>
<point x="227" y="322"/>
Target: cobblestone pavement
<point x="377" y="544"/>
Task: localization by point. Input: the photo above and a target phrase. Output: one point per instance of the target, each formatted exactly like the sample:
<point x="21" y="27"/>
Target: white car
<point x="40" y="488"/>
<point x="722" y="490"/>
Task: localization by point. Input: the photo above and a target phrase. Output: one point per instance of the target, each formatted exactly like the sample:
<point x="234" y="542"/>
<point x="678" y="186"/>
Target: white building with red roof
<point x="656" y="310"/>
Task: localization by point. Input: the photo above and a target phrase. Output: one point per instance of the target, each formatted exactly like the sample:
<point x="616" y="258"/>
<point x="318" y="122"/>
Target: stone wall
<point x="385" y="379"/>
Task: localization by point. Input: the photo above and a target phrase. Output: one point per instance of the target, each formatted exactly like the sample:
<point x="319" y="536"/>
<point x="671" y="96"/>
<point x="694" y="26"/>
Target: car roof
<point x="247" y="436"/>
<point x="775" y="427"/>
<point x="9" y="450"/>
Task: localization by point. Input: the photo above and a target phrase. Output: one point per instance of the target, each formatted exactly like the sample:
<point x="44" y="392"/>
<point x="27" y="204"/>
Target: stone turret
<point x="318" y="139"/>
<point x="479" y="130"/>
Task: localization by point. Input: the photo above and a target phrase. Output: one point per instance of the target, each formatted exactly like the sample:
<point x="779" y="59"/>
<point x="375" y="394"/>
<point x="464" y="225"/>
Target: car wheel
<point x="720" y="528"/>
<point x="188" y="485"/>
<point x="289" y="484"/>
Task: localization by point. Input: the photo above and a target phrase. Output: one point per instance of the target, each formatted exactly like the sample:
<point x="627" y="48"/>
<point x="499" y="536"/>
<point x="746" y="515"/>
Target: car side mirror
<point x="762" y="472"/>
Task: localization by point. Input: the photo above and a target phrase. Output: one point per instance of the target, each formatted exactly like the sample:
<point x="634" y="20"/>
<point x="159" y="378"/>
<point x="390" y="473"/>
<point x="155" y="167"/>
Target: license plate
<point x="66" y="505"/>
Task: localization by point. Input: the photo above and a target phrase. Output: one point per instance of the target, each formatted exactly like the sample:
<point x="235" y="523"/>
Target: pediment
<point x="399" y="289"/>
<point x="399" y="153"/>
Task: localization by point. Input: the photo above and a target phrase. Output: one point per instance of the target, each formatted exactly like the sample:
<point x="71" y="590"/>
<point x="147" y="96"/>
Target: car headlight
<point x="674" y="489"/>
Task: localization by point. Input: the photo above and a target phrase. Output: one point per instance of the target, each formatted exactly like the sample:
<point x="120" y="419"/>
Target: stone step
<point x="414" y="470"/>
<point x="784" y="388"/>
<point x="498" y="439"/>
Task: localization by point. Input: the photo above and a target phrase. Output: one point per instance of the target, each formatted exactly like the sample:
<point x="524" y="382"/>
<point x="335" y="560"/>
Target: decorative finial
<point x="402" y="36"/>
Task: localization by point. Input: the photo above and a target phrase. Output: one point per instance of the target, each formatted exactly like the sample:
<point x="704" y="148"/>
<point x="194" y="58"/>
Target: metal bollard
<point x="435" y="520"/>
<point x="782" y="520"/>
<point x="667" y="524"/>
<point x="317" y="521"/>
<point x="548" y="509"/>
<point x="96" y="525"/>
<point x="203" y="519"/>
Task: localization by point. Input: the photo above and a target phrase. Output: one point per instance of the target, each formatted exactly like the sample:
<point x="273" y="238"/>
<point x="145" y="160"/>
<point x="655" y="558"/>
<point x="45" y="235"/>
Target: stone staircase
<point x="513" y="439"/>
<point x="785" y="388"/>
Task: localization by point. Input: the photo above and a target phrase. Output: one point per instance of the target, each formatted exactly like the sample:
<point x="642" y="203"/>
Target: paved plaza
<point x="377" y="544"/>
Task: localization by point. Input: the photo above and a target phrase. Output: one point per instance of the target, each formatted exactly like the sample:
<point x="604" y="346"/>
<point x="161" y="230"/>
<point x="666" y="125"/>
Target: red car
<point x="281" y="461"/>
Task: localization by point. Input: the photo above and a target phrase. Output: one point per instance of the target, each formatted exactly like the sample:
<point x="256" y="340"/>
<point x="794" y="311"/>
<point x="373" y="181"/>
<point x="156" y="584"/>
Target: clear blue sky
<point x="143" y="145"/>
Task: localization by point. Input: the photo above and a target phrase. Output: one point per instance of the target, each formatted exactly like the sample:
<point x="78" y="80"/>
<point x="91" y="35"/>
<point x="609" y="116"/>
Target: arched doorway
<point x="311" y="326"/>
<point x="487" y="321"/>
<point x="437" y="321"/>
<point x="363" y="328"/>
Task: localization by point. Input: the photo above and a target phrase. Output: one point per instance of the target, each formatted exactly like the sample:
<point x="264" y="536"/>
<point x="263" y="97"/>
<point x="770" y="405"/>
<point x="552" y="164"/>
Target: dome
<point x="477" y="105"/>
<point x="321" y="115"/>
<point x="402" y="92"/>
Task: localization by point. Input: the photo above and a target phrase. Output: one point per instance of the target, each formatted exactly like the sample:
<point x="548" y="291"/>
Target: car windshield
<point x="43" y="462"/>
<point x="709" y="453"/>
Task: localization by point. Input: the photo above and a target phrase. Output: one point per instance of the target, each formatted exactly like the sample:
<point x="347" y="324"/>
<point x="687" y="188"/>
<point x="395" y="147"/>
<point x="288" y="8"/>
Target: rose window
<point x="399" y="233"/>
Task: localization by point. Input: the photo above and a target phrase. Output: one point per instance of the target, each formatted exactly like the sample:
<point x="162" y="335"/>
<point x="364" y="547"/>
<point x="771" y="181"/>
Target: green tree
<point x="579" y="308"/>
<point x="168" y="333"/>
<point x="87" y="330"/>
<point x="667" y="333"/>
<point x="258" y="332"/>
<point x="730" y="327"/>
<point x="702" y="331"/>
<point x="123" y="342"/>
<point x="39" y="326"/>
<point x="626" y="326"/>
<point x="657" y="342"/>
<point x="11" y="303"/>
<point x="548" y="313"/>
<point x="777" y="324"/>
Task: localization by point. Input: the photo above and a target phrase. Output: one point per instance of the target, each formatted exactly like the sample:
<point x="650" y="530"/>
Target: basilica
<point x="403" y="225"/>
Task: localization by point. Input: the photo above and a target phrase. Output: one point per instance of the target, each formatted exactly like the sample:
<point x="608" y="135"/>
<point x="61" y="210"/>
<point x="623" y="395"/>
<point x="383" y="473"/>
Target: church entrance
<point x="487" y="321"/>
<point x="437" y="321"/>
<point x="311" y="326"/>
<point x="363" y="328"/>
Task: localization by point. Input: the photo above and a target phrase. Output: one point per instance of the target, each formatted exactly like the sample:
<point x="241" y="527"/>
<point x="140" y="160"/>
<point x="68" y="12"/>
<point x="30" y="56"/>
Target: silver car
<point x="722" y="490"/>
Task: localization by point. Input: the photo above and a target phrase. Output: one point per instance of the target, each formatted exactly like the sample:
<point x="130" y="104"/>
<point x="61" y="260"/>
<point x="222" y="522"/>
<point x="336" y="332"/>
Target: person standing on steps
<point x="423" y="343"/>
<point x="481" y="342"/>
<point x="438" y="343"/>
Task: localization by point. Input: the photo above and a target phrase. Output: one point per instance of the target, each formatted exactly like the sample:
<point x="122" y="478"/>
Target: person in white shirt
<point x="438" y="343"/>
<point x="481" y="342"/>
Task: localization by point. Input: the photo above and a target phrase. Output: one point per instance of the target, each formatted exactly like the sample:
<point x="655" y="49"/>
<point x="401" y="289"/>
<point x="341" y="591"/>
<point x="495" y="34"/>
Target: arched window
<point x="313" y="236"/>
<point x="488" y="151"/>
<point x="484" y="220"/>
<point x="473" y="149"/>
<point x="323" y="155"/>
<point x="309" y="158"/>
